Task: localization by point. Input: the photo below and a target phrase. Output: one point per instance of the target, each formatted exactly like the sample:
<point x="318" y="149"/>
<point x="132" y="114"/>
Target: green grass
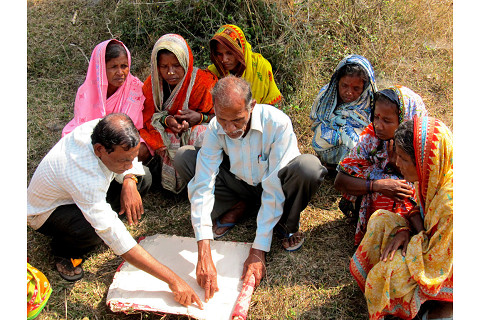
<point x="408" y="42"/>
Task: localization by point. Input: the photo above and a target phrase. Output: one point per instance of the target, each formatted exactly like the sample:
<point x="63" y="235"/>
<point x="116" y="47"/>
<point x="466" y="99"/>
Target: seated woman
<point x="109" y="87"/>
<point x="368" y="176"/>
<point x="342" y="109"/>
<point x="232" y="54"/>
<point x="177" y="108"/>
<point x="406" y="261"/>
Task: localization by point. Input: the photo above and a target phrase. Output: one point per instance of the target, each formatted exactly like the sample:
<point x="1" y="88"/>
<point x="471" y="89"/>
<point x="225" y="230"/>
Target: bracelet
<point x="201" y="119"/>
<point x="165" y="120"/>
<point x="368" y="185"/>
<point x="402" y="229"/>
<point x="134" y="178"/>
<point x="205" y="118"/>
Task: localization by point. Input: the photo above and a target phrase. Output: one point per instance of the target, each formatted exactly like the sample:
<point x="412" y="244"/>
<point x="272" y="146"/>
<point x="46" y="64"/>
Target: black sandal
<point x="71" y="265"/>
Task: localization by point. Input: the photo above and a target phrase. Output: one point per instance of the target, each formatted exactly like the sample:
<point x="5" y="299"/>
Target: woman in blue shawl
<point x="342" y="109"/>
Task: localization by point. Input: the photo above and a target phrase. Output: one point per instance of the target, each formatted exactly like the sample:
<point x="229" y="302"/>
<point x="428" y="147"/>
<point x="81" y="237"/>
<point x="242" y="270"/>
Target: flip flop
<point x="223" y="225"/>
<point x="71" y="264"/>
<point x="295" y="247"/>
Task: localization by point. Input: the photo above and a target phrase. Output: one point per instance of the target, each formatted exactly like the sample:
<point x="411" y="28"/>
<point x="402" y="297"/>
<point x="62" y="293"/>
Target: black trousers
<point x="72" y="235"/>
<point x="300" y="180"/>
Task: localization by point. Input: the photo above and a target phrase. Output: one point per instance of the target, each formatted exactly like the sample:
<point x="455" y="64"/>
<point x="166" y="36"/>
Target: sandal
<point x="70" y="265"/>
<point x="296" y="247"/>
<point x="230" y="225"/>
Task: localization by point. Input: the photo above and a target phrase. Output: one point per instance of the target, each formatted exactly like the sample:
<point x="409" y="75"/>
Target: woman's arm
<point x="398" y="190"/>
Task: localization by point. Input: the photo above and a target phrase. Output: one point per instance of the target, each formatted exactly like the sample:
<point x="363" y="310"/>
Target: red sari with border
<point x="400" y="286"/>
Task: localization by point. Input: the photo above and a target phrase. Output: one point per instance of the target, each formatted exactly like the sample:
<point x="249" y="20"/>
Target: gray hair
<point x="222" y="89"/>
<point x="404" y="138"/>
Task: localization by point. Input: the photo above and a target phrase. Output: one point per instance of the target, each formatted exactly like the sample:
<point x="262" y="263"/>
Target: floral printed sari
<point x="369" y="160"/>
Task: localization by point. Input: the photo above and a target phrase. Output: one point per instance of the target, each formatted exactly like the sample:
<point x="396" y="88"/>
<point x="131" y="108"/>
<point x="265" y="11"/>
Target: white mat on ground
<point x="133" y="289"/>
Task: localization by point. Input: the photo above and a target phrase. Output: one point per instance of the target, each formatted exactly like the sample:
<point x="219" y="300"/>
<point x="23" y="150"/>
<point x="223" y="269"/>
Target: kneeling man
<point x="249" y="161"/>
<point x="67" y="199"/>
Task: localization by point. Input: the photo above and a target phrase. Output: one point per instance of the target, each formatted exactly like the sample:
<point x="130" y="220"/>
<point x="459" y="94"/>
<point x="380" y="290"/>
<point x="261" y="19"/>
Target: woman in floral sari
<point x="177" y="108"/>
<point x="368" y="176"/>
<point x="342" y="109"/>
<point x="395" y="281"/>
<point x="232" y="54"/>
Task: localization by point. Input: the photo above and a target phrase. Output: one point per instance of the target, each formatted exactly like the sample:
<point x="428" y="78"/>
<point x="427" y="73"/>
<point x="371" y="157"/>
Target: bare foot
<point x="294" y="242"/>
<point x="231" y="216"/>
<point x="66" y="269"/>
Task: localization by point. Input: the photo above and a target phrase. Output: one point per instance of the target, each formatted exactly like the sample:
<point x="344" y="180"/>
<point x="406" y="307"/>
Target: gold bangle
<point x="134" y="178"/>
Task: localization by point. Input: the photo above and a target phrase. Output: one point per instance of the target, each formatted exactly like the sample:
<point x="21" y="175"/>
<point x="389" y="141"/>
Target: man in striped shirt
<point x="67" y="199"/>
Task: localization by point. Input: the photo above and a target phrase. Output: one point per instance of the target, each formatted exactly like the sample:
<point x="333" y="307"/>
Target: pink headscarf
<point x="91" y="101"/>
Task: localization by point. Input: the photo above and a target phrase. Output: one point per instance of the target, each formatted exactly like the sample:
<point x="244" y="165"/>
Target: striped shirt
<point x="269" y="146"/>
<point x="71" y="173"/>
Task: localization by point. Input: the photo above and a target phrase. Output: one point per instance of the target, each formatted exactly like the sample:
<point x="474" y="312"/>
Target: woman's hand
<point x="190" y="116"/>
<point x="400" y="240"/>
<point x="177" y="126"/>
<point x="398" y="190"/>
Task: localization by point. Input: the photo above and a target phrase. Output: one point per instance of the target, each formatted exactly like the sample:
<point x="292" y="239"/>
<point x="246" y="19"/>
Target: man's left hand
<point x="131" y="201"/>
<point x="255" y="264"/>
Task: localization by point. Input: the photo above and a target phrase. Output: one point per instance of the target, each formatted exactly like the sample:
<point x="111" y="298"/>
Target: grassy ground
<point x="408" y="42"/>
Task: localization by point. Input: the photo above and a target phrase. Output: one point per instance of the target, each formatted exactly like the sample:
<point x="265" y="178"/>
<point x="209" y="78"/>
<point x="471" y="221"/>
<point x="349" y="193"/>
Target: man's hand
<point x="401" y="239"/>
<point x="206" y="271"/>
<point x="130" y="201"/>
<point x="255" y="264"/>
<point x="140" y="258"/>
<point x="184" y="294"/>
<point x="398" y="190"/>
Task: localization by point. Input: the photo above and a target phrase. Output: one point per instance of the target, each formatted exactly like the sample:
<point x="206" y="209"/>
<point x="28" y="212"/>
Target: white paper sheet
<point x="133" y="289"/>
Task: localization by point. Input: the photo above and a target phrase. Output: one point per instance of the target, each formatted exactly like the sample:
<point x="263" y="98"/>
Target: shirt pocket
<point x="262" y="169"/>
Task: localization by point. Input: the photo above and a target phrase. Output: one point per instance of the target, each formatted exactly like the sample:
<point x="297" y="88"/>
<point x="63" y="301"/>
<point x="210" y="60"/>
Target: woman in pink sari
<point x="109" y="87"/>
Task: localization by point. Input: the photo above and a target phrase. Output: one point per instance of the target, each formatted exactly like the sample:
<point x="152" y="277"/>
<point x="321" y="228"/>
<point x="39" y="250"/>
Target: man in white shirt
<point x="249" y="160"/>
<point x="67" y="199"/>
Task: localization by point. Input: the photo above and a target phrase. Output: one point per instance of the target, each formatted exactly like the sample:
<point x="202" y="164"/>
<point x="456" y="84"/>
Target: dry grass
<point x="408" y="42"/>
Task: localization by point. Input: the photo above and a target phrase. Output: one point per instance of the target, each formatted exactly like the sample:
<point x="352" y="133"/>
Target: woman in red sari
<point x="177" y="108"/>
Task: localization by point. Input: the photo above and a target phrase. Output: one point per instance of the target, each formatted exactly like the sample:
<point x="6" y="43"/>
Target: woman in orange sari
<point x="403" y="262"/>
<point x="178" y="105"/>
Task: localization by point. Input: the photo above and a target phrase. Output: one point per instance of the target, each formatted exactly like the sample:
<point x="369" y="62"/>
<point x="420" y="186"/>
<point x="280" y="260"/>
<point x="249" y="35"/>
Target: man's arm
<point x="130" y="200"/>
<point x="206" y="271"/>
<point x="201" y="195"/>
<point x="183" y="293"/>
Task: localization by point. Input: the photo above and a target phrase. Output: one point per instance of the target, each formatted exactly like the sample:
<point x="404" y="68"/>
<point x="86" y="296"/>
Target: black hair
<point x="162" y="51"/>
<point x="380" y="96"/>
<point x="354" y="70"/>
<point x="114" y="50"/>
<point x="116" y="129"/>
<point x="404" y="138"/>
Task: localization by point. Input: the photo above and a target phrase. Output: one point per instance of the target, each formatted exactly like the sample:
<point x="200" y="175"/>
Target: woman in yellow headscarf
<point x="232" y="54"/>
<point x="403" y="262"/>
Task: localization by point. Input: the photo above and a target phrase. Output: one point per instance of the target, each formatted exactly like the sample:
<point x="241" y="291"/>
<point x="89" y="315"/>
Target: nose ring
<point x="170" y="72"/>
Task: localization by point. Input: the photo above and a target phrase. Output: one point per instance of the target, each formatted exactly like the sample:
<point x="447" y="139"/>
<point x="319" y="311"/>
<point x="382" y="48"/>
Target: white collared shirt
<point x="269" y="146"/>
<point x="71" y="173"/>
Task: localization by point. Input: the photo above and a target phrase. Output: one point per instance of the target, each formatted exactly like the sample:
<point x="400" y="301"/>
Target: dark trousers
<point x="300" y="179"/>
<point x="72" y="235"/>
